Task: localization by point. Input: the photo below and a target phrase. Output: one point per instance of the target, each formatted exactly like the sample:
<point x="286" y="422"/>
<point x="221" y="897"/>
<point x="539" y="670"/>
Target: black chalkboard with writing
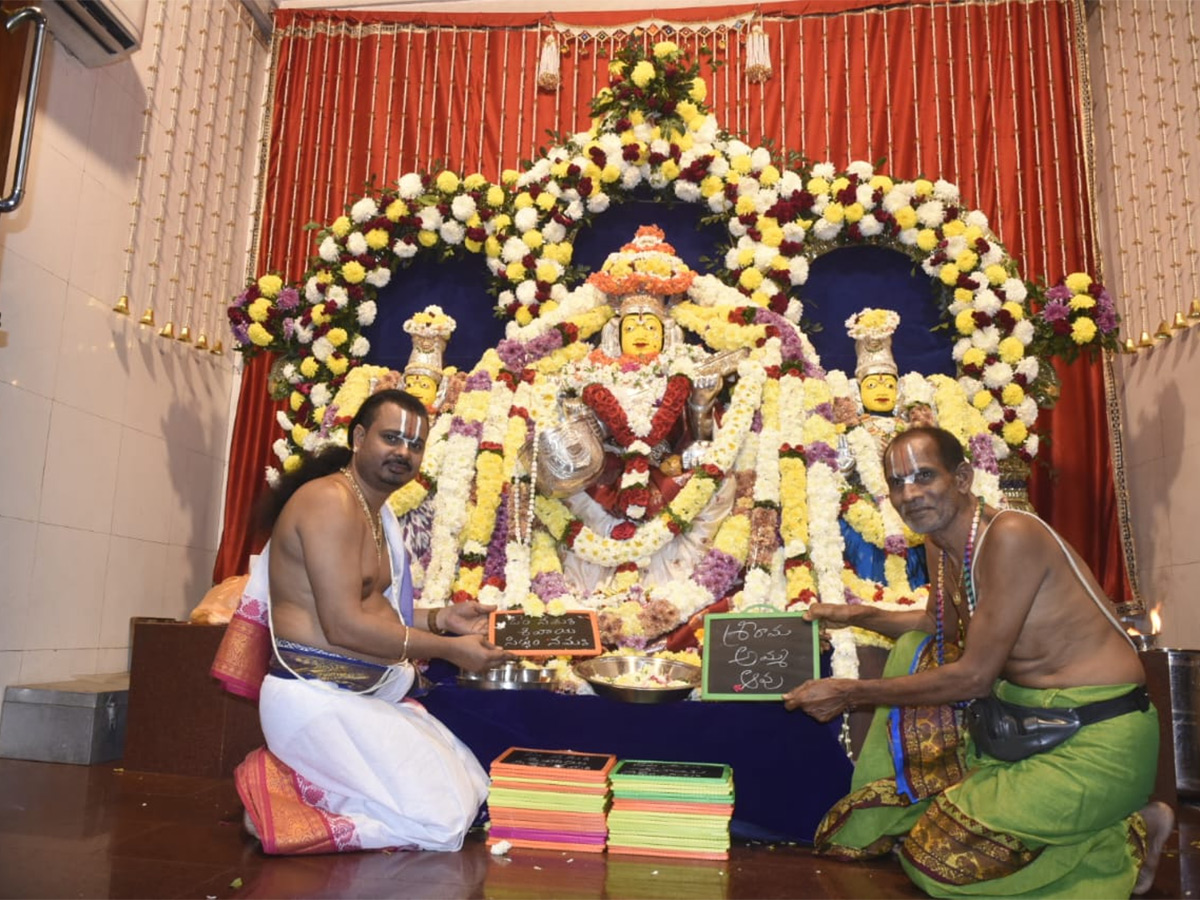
<point x="650" y="768"/>
<point x="757" y="656"/>
<point x="569" y="634"/>
<point x="555" y="759"/>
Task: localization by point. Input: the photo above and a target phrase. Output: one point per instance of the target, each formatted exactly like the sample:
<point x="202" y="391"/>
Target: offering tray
<point x="510" y="676"/>
<point x="639" y="679"/>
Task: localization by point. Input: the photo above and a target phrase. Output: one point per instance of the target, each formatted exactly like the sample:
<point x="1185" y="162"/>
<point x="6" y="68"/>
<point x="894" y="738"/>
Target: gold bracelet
<point x="431" y="621"/>
<point x="404" y="649"/>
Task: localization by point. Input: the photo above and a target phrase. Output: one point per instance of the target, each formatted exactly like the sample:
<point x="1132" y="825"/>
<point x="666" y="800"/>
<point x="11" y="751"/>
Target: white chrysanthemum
<point x="931" y="213"/>
<point x="736" y="228"/>
<point x="404" y="249"/>
<point x="328" y="250"/>
<point x="312" y="442"/>
<point x="282" y="450"/>
<point x="986" y="339"/>
<point x="869" y="226"/>
<point x="719" y="166"/>
<point x="554" y="232"/>
<point x="1028" y="368"/>
<point x="514" y="249"/>
<point x="524" y="220"/>
<point x="1031" y="445"/>
<point x="321" y="348"/>
<point x="360" y="347"/>
<point x="824" y="170"/>
<point x="304" y="333"/>
<point x="862" y="169"/>
<point x="558" y="291"/>
<point x="1023" y="331"/>
<point x="364" y="209"/>
<point x="976" y="218"/>
<point x="789" y="183"/>
<point x="495" y="266"/>
<point x="993" y="256"/>
<point x="825" y="230"/>
<point x="993" y="413"/>
<point x="731" y="257"/>
<point x="452" y="232"/>
<point x="282" y="420"/>
<point x="793" y="231"/>
<point x="1015" y="290"/>
<point x="769" y="287"/>
<point x="997" y="375"/>
<point x="970" y="386"/>
<point x="798" y="270"/>
<point x="312" y="290"/>
<point x="763" y="256"/>
<point x="631" y="177"/>
<point x="687" y="191"/>
<point x="379" y="277"/>
<point x="908" y="236"/>
<point x="356" y="243"/>
<point x="320" y="394"/>
<point x="987" y="301"/>
<point x="819" y="203"/>
<point x="707" y="132"/>
<point x="1027" y="411"/>
<point x="795" y="309"/>
<point x="366" y="312"/>
<point x="574" y="210"/>
<point x="955" y="246"/>
<point x="526" y="292"/>
<point x="505" y="298"/>
<point x="430" y="218"/>
<point x="945" y="191"/>
<point x="961" y="346"/>
<point x="291" y="373"/>
<point x="598" y="202"/>
<point x="897" y="198"/>
<point x="463" y="207"/>
<point x="760" y="158"/>
<point x="410" y="186"/>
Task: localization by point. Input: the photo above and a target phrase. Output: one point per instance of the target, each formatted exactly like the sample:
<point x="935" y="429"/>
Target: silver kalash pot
<point x="570" y="455"/>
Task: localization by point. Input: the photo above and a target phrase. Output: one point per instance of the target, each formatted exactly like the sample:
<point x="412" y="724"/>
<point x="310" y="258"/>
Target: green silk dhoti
<point x="1058" y="824"/>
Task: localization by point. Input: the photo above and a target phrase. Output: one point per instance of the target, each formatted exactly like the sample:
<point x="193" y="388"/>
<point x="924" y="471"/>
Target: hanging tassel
<point x="758" y="56"/>
<point x="548" y="77"/>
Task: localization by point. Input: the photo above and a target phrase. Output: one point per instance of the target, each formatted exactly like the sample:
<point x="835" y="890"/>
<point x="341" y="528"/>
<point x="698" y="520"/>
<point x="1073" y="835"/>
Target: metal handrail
<point x="13" y="200"/>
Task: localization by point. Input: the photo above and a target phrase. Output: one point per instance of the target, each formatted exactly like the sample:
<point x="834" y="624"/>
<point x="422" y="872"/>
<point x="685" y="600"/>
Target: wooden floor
<point x="101" y="831"/>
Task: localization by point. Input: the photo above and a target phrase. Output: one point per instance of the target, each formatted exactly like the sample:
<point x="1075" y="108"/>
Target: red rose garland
<point x="634" y="496"/>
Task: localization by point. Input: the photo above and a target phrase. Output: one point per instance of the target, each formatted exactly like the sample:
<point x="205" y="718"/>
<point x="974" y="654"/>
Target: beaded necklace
<point x="968" y="585"/>
<point x="375" y="520"/>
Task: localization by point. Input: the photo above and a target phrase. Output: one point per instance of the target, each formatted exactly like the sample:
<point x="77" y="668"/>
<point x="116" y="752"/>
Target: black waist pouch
<point x="1011" y="732"/>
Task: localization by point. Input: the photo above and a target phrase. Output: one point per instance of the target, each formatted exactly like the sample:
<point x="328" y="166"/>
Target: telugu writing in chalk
<point x="751" y="678"/>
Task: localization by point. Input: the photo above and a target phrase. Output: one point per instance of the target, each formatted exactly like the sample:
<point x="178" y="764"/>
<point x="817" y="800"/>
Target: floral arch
<point x="651" y="129"/>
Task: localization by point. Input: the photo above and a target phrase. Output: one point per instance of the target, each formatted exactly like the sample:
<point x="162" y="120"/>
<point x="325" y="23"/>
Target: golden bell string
<point x="1144" y="340"/>
<point x="218" y="348"/>
<point x="1194" y="310"/>
<point x="147" y="318"/>
<point x="167" y="331"/>
<point x="202" y="341"/>
<point x="185" y="335"/>
<point x="1130" y="345"/>
<point x="122" y="306"/>
<point x="1180" y="322"/>
<point x="1164" y="330"/>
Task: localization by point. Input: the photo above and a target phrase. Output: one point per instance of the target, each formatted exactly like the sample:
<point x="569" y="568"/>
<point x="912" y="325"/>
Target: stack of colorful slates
<point x="676" y="809"/>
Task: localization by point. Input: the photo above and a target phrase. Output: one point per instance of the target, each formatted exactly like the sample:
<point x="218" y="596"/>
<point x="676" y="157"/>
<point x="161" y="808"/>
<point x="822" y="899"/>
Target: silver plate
<point x="509" y="677"/>
<point x="597" y="672"/>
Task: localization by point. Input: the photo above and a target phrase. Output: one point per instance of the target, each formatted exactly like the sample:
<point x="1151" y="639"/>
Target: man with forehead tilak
<point x="1013" y="614"/>
<point x="352" y="762"/>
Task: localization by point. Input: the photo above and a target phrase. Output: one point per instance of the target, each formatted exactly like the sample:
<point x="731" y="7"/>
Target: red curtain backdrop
<point x="986" y="96"/>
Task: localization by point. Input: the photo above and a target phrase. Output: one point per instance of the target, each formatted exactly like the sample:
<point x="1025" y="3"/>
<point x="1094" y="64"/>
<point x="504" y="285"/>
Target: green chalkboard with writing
<point x="757" y="656"/>
<point x="569" y="634"/>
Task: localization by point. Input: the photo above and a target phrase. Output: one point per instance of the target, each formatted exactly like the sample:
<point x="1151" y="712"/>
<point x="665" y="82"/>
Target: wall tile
<point x="114" y="136"/>
<point x="65" y="97"/>
<point x="1140" y="389"/>
<point x="93" y="374"/>
<point x="112" y="660"/>
<point x="187" y="578"/>
<point x="67" y="592"/>
<point x="147" y="493"/>
<point x="1181" y="625"/>
<point x="41" y="666"/>
<point x="24" y="432"/>
<point x="1150" y="514"/>
<point x="81" y="470"/>
<point x="40" y="229"/>
<point x="10" y="671"/>
<point x="192" y="518"/>
<point x="101" y="235"/>
<point x="132" y="587"/>
<point x="33" y="304"/>
<point x="151" y="390"/>
<point x="1181" y="486"/>
<point x="17" y="544"/>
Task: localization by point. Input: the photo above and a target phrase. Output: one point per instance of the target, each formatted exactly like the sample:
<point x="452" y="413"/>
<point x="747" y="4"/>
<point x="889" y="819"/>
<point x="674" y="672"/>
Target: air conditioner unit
<point x="97" y="32"/>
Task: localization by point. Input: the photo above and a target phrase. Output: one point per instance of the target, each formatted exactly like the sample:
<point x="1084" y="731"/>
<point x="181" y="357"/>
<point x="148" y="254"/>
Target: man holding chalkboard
<point x="1048" y="798"/>
<point x="350" y="763"/>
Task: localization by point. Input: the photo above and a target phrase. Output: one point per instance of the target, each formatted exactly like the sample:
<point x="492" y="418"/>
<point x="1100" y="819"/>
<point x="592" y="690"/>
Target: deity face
<point x="878" y="392"/>
<point x="423" y="387"/>
<point x="641" y="334"/>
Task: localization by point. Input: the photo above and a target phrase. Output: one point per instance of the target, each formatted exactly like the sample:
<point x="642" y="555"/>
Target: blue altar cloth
<point x="788" y="769"/>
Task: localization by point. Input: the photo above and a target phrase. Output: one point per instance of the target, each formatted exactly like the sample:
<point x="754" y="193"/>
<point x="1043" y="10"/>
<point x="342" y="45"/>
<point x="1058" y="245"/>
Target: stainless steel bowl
<point x="600" y="672"/>
<point x="510" y="676"/>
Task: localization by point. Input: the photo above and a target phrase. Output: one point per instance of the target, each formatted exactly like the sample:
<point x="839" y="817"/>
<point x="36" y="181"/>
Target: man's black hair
<point x="330" y="459"/>
<point x="949" y="450"/>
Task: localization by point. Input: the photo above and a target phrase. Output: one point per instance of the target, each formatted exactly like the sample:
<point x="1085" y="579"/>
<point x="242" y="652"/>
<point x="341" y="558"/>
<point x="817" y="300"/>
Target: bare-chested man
<point x="352" y="762"/>
<point x="1012" y="611"/>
